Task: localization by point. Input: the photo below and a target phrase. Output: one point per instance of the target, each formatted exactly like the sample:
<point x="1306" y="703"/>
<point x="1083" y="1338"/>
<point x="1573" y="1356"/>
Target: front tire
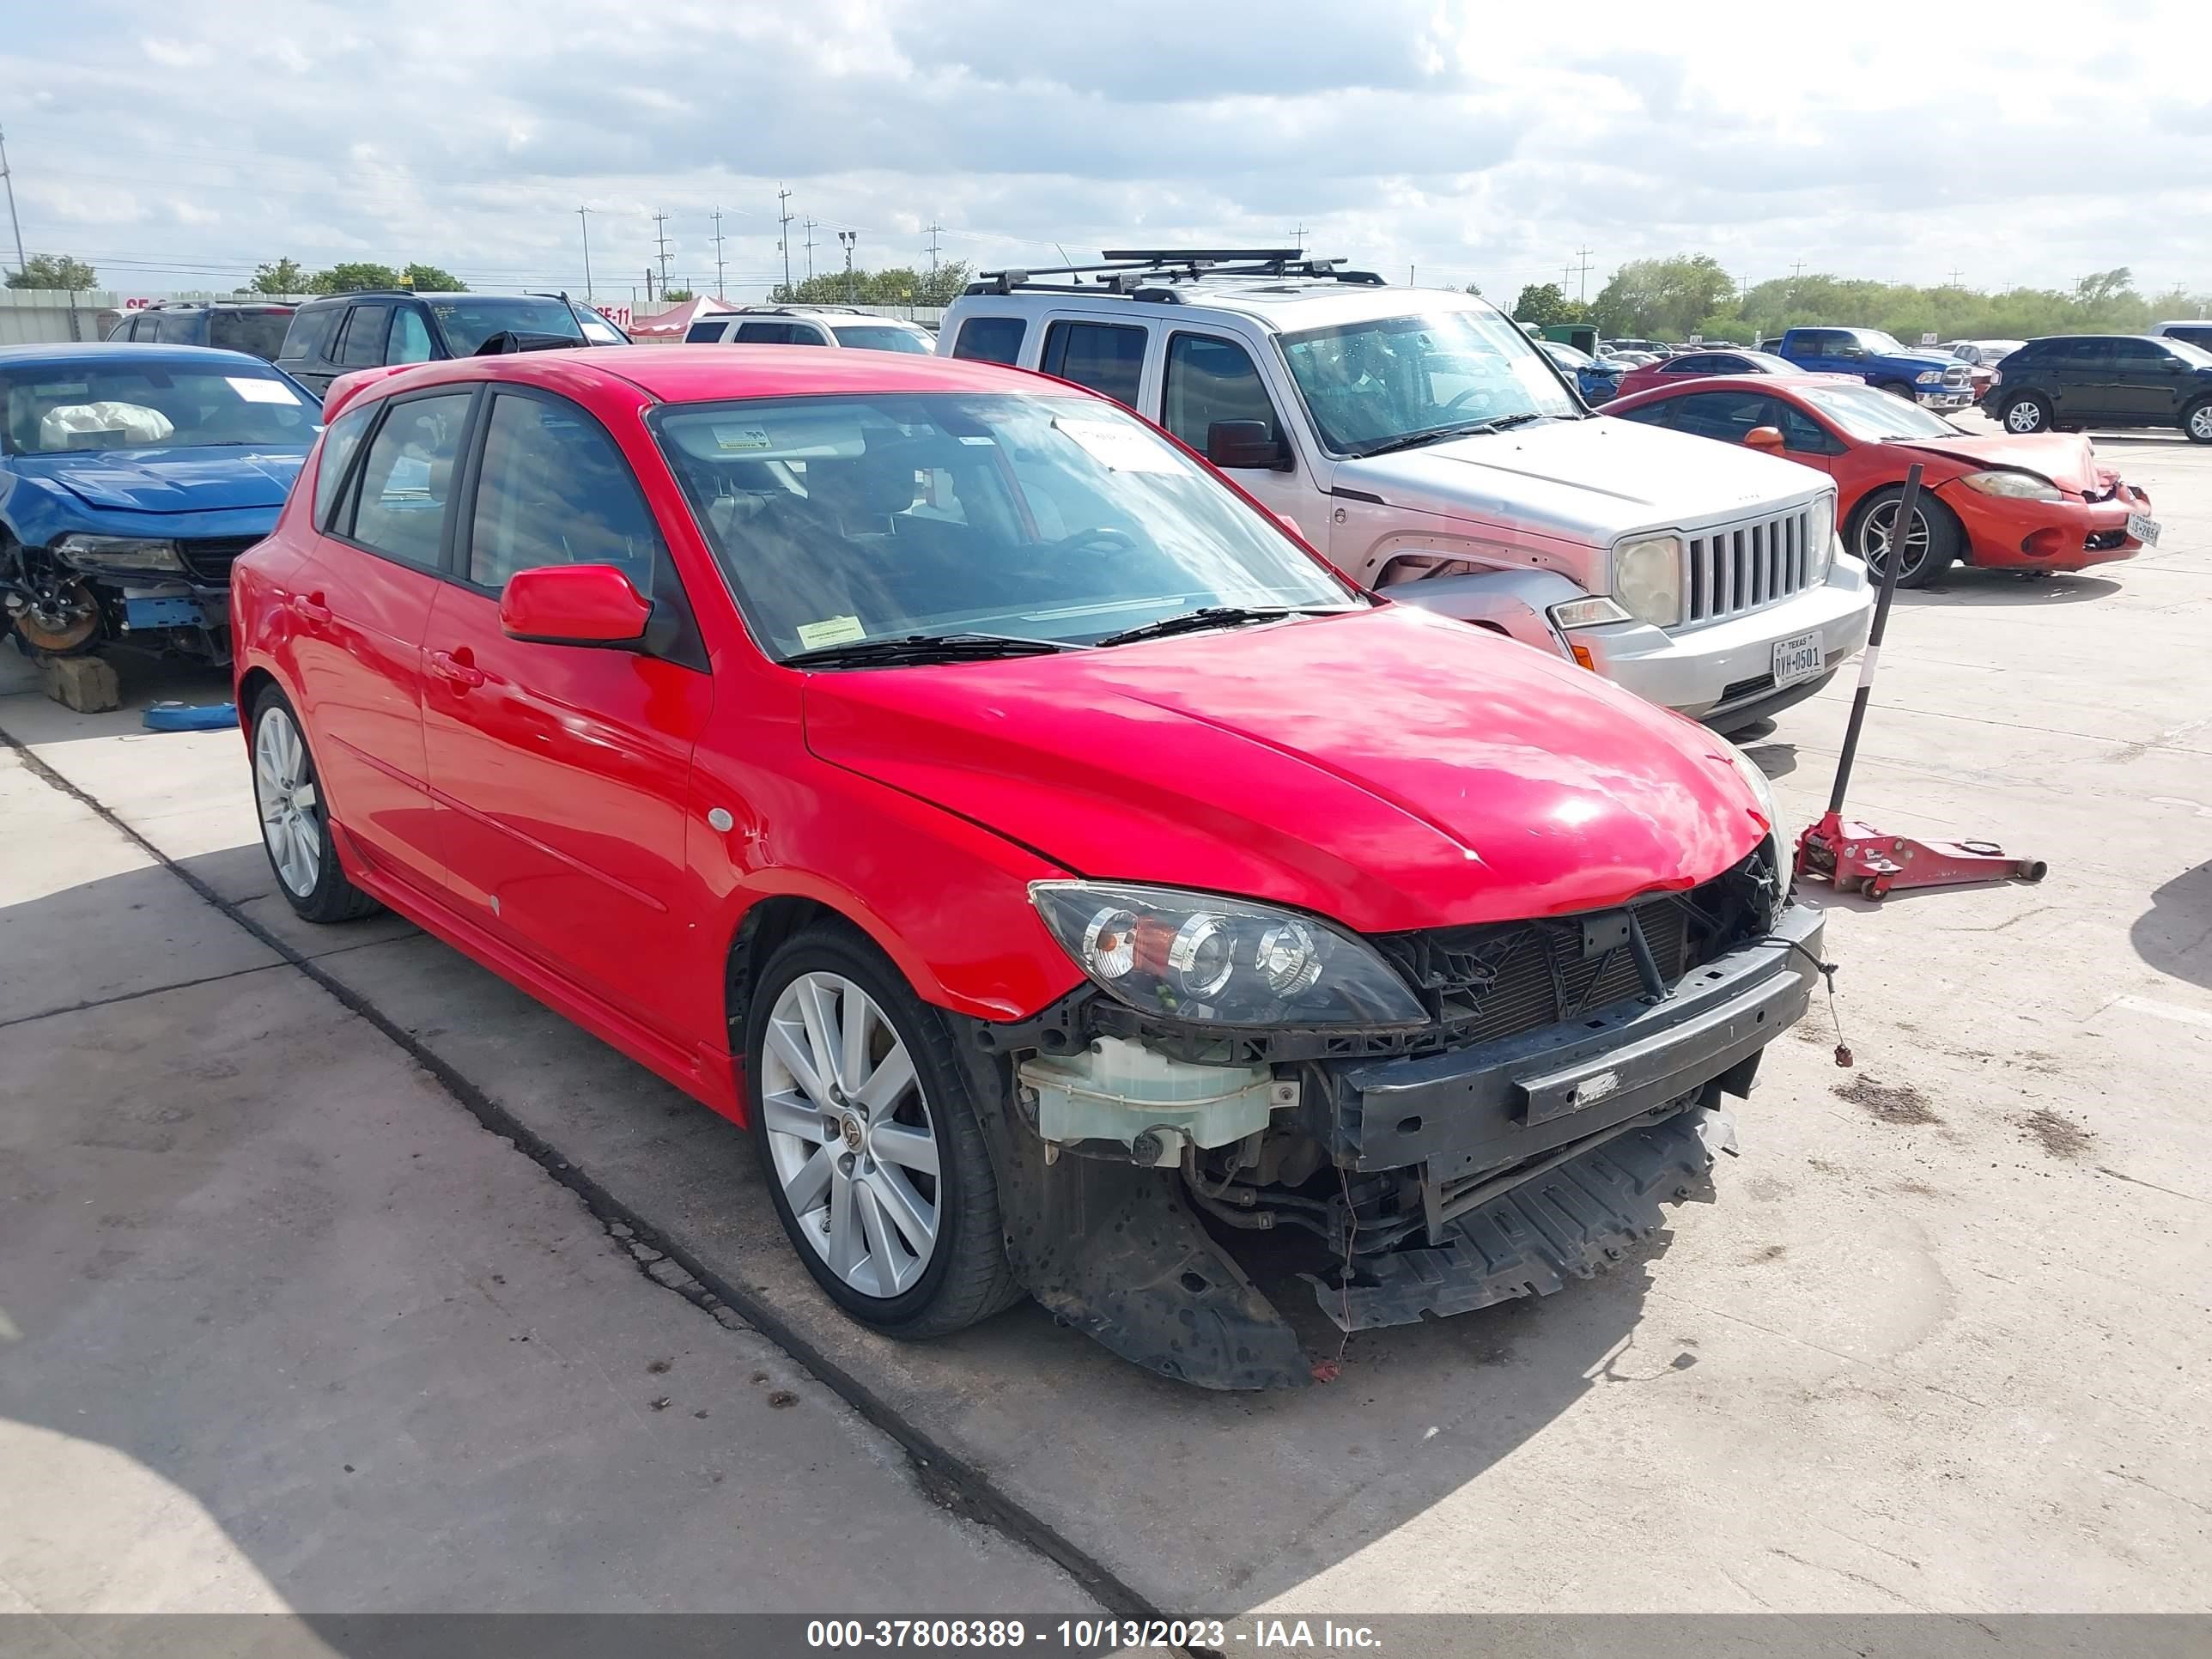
<point x="295" y="827"/>
<point x="1896" y="389"/>
<point x="2024" y="414"/>
<point x="867" y="1133"/>
<point x="2197" y="421"/>
<point x="1930" y="544"/>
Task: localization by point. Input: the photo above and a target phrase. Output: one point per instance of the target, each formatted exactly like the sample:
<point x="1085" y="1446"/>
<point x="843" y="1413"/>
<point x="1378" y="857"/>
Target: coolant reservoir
<point x="1117" y="1089"/>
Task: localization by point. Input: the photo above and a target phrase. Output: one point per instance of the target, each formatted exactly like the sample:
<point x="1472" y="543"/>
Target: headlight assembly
<point x="1647" y="580"/>
<point x="119" y="553"/>
<point x="2015" y="486"/>
<point x="1229" y="962"/>
<point x="1820" y="529"/>
<point x="1930" y="377"/>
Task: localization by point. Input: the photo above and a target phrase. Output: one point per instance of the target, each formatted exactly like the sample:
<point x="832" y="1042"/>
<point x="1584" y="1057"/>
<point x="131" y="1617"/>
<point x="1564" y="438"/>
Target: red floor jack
<point x="1858" y="858"/>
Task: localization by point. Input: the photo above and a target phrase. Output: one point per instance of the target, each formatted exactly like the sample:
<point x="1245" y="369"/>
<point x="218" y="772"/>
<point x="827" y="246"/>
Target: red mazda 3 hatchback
<point x="1056" y="865"/>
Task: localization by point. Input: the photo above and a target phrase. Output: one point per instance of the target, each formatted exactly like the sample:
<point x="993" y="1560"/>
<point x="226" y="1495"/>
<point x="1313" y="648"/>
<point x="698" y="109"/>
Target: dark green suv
<point x="2075" y="381"/>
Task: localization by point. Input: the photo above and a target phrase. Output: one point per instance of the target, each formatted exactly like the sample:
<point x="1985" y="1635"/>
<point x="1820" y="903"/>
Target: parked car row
<point x="1017" y="799"/>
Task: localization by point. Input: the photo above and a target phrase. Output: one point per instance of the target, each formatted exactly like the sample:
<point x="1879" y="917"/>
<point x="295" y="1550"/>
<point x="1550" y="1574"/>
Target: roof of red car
<point x="1748" y="382"/>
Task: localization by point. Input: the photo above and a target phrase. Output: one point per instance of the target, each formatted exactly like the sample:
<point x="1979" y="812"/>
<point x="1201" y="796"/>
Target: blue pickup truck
<point x="1931" y="378"/>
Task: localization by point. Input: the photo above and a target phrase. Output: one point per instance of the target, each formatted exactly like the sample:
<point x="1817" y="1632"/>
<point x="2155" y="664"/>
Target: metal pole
<point x="1901" y="531"/>
<point x="13" y="224"/>
<point x="582" y="218"/>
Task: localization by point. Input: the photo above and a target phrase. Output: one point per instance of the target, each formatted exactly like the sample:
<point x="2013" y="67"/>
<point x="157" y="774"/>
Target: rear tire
<point x="1934" y="535"/>
<point x="2026" y="413"/>
<point x="2197" y="421"/>
<point x="295" y="828"/>
<point x="862" y="1175"/>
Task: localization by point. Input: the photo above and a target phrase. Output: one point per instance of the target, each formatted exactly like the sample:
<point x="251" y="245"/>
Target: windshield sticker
<point x="256" y="389"/>
<point x="1119" y="448"/>
<point x="732" y="439"/>
<point x="838" y="630"/>
<point x="63" y="389"/>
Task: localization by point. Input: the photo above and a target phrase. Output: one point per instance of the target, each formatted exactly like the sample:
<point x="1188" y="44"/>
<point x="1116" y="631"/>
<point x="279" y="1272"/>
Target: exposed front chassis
<point x="1432" y="1182"/>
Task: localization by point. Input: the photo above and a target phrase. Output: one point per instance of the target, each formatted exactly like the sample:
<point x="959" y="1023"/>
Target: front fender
<point x="1515" y="602"/>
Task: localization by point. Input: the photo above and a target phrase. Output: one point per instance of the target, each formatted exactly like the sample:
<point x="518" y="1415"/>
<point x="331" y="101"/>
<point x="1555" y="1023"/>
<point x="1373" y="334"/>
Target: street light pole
<point x="13" y="224"/>
<point x="583" y="219"/>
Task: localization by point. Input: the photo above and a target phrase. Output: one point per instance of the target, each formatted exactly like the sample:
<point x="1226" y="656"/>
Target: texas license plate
<point x="2144" y="530"/>
<point x="1796" y="660"/>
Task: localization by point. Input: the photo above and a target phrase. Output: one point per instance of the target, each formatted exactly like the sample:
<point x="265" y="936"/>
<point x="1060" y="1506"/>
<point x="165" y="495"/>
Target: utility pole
<point x="648" y="285"/>
<point x="1954" y="278"/>
<point x="1409" y="276"/>
<point x="660" y="233"/>
<point x="935" y="231"/>
<point x="718" y="254"/>
<point x="13" y="223"/>
<point x="1584" y="254"/>
<point x="583" y="218"/>
<point x="783" y="242"/>
<point x="811" y="225"/>
<point x="1798" y="270"/>
<point x="848" y="238"/>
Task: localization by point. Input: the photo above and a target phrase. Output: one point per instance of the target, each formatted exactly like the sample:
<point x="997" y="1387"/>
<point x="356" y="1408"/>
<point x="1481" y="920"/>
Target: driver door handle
<point x="454" y="666"/>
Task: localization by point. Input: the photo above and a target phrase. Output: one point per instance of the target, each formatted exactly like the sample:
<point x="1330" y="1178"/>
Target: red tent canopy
<point x="671" y="325"/>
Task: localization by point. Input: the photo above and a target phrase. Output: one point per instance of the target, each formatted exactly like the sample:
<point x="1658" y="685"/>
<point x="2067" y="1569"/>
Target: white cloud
<point x="1907" y="142"/>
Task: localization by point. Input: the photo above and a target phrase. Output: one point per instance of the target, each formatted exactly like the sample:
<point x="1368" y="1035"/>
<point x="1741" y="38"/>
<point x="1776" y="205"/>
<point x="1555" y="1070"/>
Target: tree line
<point x="894" y="285"/>
<point x="60" y="271"/>
<point x="1672" y="299"/>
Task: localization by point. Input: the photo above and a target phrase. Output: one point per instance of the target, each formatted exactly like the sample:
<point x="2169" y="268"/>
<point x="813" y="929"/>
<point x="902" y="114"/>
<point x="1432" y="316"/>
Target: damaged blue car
<point x="130" y="476"/>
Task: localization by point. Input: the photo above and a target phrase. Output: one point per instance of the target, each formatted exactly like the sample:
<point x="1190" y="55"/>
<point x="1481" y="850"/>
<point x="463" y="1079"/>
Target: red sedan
<point x="955" y="780"/>
<point x="2036" y="502"/>
<point x="1700" y="365"/>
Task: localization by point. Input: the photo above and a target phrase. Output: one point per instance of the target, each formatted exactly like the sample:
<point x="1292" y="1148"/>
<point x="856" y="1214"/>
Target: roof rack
<point x="1141" y="272"/>
<point x="794" y="308"/>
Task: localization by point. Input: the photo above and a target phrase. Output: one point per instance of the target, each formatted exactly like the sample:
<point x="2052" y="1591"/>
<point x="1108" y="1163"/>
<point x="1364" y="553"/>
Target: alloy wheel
<point x="2025" y="415"/>
<point x="1878" y="531"/>
<point x="284" y="791"/>
<point x="850" y="1134"/>
<point x="2200" y="423"/>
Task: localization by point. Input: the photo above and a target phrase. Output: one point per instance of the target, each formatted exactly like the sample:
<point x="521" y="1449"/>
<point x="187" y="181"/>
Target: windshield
<point x="889" y="515"/>
<point x="1872" y="416"/>
<point x="599" y="330"/>
<point x="62" y="409"/>
<point x="1566" y="356"/>
<point x="1370" y="384"/>
<point x="883" y="337"/>
<point x="470" y="319"/>
<point x="2195" y="356"/>
<point x="259" y="332"/>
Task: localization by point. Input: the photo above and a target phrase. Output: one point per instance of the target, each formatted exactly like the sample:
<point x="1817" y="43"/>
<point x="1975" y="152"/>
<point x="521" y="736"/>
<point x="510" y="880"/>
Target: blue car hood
<point x="199" y="480"/>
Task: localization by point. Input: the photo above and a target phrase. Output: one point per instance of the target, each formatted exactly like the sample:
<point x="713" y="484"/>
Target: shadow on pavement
<point x="1962" y="585"/>
<point x="2175" y="934"/>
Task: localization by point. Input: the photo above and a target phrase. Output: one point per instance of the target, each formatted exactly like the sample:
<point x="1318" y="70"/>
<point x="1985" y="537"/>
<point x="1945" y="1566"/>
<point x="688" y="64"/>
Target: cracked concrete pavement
<point x="1938" y="1340"/>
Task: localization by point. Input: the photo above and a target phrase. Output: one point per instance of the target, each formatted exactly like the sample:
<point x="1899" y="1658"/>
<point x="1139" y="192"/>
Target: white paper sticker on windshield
<point x="1119" y="448"/>
<point x="836" y="630"/>
<point x="738" y="439"/>
<point x="257" y="389"/>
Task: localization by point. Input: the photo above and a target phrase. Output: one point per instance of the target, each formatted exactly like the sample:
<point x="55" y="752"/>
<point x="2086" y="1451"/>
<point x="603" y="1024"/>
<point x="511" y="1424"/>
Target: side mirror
<point x="1768" y="438"/>
<point x="573" y="604"/>
<point x="1245" y="444"/>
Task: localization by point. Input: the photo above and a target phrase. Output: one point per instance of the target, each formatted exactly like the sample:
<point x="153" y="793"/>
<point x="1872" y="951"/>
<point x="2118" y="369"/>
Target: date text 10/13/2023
<point x="1091" y="1635"/>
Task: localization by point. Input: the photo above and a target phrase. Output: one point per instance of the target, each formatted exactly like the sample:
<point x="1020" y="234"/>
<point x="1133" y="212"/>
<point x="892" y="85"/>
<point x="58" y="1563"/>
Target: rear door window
<point x="260" y="332"/>
<point x="176" y="327"/>
<point x="991" y="340"/>
<point x="1209" y="379"/>
<point x="407" y="475"/>
<point x="1108" y="357"/>
<point x="362" y="345"/>
<point x="338" y="445"/>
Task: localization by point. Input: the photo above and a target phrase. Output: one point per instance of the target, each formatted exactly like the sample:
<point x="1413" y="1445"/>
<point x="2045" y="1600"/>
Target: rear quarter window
<point x="309" y="335"/>
<point x="708" y="331"/>
<point x="991" y="340"/>
<point x="261" y="333"/>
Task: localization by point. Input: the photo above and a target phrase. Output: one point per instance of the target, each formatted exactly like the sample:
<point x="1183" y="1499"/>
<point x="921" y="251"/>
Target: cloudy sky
<point x="176" y="145"/>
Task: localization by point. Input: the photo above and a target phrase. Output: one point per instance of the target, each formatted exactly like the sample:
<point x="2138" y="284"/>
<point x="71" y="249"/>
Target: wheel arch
<point x="251" y="685"/>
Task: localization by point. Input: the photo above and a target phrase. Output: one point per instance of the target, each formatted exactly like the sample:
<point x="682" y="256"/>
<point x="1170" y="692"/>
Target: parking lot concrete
<point x="1936" y="1340"/>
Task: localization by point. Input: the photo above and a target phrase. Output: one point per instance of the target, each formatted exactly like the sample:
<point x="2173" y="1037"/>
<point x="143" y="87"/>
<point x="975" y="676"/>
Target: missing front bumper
<point x="1567" y="1223"/>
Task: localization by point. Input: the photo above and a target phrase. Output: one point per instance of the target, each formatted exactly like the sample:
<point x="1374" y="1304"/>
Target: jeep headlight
<point x="1820" y="529"/>
<point x="1647" y="580"/>
<point x="1231" y="961"/>
<point x="119" y="553"/>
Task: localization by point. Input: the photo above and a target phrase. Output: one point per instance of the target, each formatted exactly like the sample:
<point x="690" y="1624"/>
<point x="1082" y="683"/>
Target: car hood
<point x="1589" y="481"/>
<point x="2064" y="458"/>
<point x="1925" y="359"/>
<point x="198" y="480"/>
<point x="1390" y="769"/>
